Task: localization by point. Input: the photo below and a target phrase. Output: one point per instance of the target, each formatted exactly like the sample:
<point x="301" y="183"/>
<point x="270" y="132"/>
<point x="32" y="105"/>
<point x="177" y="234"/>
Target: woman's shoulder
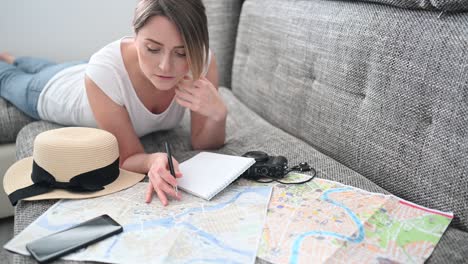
<point x="109" y="55"/>
<point x="106" y="69"/>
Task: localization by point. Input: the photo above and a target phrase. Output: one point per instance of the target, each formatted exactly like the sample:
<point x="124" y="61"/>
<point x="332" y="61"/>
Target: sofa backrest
<point x="381" y="89"/>
<point x="441" y="5"/>
<point x="223" y="17"/>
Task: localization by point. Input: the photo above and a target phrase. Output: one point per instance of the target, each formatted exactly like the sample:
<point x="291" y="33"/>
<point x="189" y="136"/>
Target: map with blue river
<point x="226" y="229"/>
<point x="324" y="221"/>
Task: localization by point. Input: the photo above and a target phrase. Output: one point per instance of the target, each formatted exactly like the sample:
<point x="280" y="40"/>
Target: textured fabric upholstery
<point x="7" y="158"/>
<point x="380" y="89"/>
<point x="260" y="135"/>
<point x="11" y="120"/>
<point x="442" y="5"/>
<point x="223" y="17"/>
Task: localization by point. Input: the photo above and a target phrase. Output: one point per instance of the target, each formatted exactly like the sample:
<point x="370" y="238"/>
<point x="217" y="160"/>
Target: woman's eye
<point x="153" y="50"/>
<point x="180" y="54"/>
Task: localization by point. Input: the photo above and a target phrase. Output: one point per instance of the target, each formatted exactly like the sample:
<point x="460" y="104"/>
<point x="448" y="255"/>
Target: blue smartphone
<point x="54" y="246"/>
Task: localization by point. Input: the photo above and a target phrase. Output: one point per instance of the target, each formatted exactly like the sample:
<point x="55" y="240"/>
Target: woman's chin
<point x="163" y="85"/>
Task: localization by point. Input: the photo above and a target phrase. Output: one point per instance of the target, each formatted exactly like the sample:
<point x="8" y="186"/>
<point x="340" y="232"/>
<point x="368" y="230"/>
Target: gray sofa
<point x="11" y="121"/>
<point x="373" y="94"/>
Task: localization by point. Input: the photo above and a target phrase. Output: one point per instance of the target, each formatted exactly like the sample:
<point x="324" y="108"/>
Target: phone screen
<point x="79" y="236"/>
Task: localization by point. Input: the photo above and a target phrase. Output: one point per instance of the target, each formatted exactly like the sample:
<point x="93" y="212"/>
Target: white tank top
<point x="64" y="101"/>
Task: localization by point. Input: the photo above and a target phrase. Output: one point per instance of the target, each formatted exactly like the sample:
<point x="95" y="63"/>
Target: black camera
<point x="265" y="166"/>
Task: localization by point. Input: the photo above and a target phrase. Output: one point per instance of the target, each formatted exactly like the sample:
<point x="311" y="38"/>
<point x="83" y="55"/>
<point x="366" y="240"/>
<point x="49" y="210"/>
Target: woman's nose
<point x="164" y="64"/>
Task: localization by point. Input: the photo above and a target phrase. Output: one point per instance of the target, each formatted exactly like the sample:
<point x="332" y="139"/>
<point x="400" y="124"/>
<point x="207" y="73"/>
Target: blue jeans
<point x="21" y="83"/>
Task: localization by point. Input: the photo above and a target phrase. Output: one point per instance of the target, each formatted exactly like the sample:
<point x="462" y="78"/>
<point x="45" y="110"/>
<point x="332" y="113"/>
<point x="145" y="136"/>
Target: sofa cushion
<point x="442" y="5"/>
<point x="245" y="131"/>
<point x="380" y="89"/>
<point x="223" y="17"/>
<point x="12" y="121"/>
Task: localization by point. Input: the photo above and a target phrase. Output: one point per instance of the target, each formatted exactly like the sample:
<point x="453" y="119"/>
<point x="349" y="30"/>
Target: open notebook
<point x="206" y="174"/>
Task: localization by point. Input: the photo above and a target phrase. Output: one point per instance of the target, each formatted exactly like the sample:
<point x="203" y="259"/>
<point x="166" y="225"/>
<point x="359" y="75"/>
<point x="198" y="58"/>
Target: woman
<point x="132" y="87"/>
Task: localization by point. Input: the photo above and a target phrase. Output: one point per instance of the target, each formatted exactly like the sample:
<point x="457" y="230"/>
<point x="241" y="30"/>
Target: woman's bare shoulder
<point x="127" y="47"/>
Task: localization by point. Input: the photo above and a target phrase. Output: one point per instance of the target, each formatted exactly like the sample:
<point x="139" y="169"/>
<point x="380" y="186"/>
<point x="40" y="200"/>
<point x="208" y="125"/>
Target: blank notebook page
<point x="206" y="174"/>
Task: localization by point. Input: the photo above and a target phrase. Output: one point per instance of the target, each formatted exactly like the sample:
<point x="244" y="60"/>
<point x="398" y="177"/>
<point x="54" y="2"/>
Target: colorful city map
<point x="318" y="222"/>
<point x="328" y="222"/>
<point x="226" y="229"/>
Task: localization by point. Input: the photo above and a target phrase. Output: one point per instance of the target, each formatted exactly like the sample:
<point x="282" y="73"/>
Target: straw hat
<point x="70" y="163"/>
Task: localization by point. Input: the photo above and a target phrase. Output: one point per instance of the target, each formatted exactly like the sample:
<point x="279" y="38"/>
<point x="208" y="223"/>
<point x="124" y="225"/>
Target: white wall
<point x="62" y="30"/>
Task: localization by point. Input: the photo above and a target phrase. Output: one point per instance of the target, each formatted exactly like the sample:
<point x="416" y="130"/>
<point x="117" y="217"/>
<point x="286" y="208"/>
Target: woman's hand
<point x="202" y="97"/>
<point x="161" y="180"/>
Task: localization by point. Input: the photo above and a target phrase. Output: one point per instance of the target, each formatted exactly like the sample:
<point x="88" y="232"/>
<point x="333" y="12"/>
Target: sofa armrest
<point x="7" y="158"/>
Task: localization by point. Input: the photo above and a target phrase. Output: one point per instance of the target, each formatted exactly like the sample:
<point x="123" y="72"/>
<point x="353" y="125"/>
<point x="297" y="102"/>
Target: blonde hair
<point x="190" y="19"/>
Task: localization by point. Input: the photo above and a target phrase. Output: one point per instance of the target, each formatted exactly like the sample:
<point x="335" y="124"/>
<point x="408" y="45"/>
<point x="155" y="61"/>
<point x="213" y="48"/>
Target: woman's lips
<point x="164" y="77"/>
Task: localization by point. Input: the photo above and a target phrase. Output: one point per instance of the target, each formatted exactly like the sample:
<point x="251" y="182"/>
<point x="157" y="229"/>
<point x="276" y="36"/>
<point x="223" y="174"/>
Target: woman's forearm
<point x="140" y="162"/>
<point x="212" y="135"/>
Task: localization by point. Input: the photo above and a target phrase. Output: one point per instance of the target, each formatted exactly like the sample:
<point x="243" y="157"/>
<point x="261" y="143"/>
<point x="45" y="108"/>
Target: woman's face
<point x="161" y="53"/>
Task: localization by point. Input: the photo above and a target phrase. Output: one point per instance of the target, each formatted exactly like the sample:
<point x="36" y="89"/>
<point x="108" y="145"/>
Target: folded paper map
<point x="328" y="222"/>
<point x="226" y="229"/>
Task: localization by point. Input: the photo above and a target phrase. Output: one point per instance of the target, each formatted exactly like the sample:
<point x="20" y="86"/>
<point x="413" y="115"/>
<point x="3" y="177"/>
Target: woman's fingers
<point x="161" y="195"/>
<point x="149" y="192"/>
<point x="162" y="182"/>
<point x="155" y="182"/>
<point x="184" y="95"/>
<point x="167" y="177"/>
<point x="183" y="103"/>
<point x="176" y="168"/>
<point x="167" y="183"/>
<point x="188" y="101"/>
<point x="186" y="86"/>
<point x="171" y="191"/>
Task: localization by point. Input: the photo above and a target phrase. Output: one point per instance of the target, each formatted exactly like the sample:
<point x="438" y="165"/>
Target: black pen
<point x="171" y="165"/>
